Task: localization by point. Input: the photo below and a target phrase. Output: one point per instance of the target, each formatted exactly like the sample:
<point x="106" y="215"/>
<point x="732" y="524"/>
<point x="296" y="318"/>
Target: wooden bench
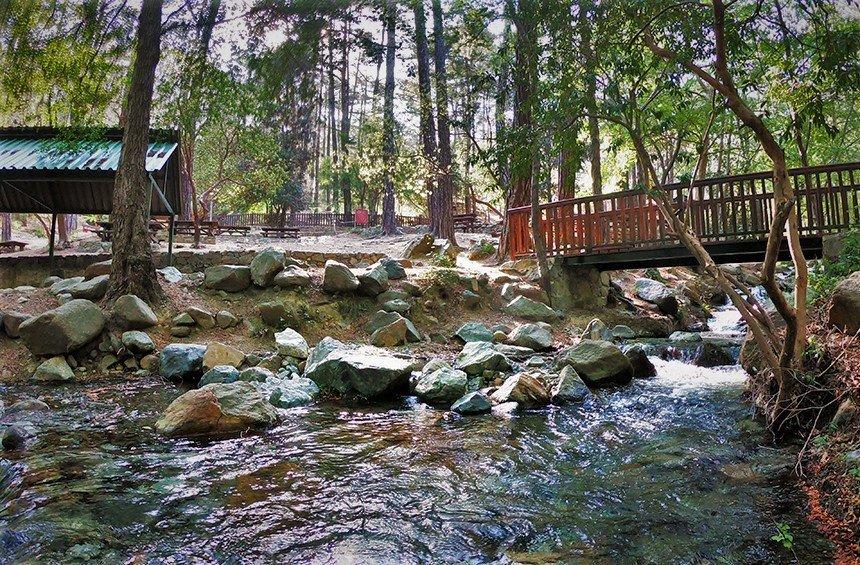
<point x="105" y="230"/>
<point x="272" y="231"/>
<point x="234" y="230"/>
<point x="11" y="246"/>
<point x="465" y="222"/>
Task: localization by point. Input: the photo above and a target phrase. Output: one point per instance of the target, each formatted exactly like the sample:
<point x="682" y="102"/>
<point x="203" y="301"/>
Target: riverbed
<point x="668" y="469"/>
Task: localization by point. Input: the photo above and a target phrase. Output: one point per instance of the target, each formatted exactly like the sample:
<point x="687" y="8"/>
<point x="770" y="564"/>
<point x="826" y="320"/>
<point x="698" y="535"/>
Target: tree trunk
<point x="331" y="196"/>
<point x="389" y="222"/>
<point x="590" y="59"/>
<point x="503" y="172"/>
<point x="442" y="217"/>
<point x="5" y="226"/>
<point x="132" y="268"/>
<point x="567" y="174"/>
<point x="345" y="122"/>
<point x="427" y="124"/>
<point x="62" y="232"/>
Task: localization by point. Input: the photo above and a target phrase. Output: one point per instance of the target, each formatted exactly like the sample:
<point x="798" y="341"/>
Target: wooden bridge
<point x="731" y="215"/>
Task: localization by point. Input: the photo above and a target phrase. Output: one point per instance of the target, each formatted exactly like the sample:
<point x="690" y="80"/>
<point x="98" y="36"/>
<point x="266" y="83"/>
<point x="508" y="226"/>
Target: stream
<point x="669" y="469"/>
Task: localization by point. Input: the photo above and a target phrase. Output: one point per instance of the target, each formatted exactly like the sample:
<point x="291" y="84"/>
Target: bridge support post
<point x="579" y="286"/>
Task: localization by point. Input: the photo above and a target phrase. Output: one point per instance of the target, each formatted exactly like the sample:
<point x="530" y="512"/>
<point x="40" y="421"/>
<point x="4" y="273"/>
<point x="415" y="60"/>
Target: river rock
<point x="353" y="369"/>
<point x="443" y="386"/>
<point x="475" y="402"/>
<point x="16" y="436"/>
<point x="643" y="368"/>
<point x="623" y="332"/>
<point x="290" y="343"/>
<point x="287" y="396"/>
<point x="596" y="330"/>
<point x="217" y="409"/>
<point x="131" y="313"/>
<point x="533" y="336"/>
<point x="382" y="318"/>
<point x="569" y="388"/>
<point x="12" y="321"/>
<point x="599" y="363"/>
<point x="220" y="374"/>
<point x="479" y="356"/>
<point x="201" y="317"/>
<point x="229" y="278"/>
<point x="845" y="308"/>
<point x="392" y="335"/>
<point x="266" y="265"/>
<point x="393" y="268"/>
<point x="524" y="389"/>
<point x="338" y="278"/>
<point x="471" y="299"/>
<point x="94" y="270"/>
<point x="419" y="247"/>
<point x="685" y="337"/>
<point x="712" y="355"/>
<point x="473" y="331"/>
<point x="183" y="319"/>
<point x="137" y="342"/>
<point x="93" y="289"/>
<point x="510" y="290"/>
<point x="292" y="276"/>
<point x="656" y="293"/>
<point x="171" y="274"/>
<point x="62" y="286"/>
<point x="226" y="320"/>
<point x="222" y="354"/>
<point x="529" y="309"/>
<point x="54" y="370"/>
<point x="399" y="306"/>
<point x="63" y="329"/>
<point x="182" y="361"/>
<point x="373" y="281"/>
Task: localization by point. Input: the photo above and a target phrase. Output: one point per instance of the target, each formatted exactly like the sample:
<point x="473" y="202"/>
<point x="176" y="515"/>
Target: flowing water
<point x="669" y="469"/>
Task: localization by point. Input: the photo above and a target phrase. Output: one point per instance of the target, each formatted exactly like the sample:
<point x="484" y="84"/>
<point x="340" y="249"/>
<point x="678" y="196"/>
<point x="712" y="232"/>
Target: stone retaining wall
<point x="32" y="269"/>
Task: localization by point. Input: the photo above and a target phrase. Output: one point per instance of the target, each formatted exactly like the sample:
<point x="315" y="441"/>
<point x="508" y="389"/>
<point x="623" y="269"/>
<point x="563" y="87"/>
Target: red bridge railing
<point x="720" y="209"/>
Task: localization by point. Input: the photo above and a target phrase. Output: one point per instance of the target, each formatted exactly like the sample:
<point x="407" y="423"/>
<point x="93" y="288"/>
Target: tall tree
<point x="389" y="220"/>
<point x="132" y="268"/>
<point x="442" y="212"/>
<point x="345" y="186"/>
<point x="426" y="123"/>
<point x="587" y="19"/>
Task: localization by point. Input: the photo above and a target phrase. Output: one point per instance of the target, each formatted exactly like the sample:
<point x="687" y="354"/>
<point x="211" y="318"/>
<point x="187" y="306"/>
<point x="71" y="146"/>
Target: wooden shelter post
<point x="51" y="242"/>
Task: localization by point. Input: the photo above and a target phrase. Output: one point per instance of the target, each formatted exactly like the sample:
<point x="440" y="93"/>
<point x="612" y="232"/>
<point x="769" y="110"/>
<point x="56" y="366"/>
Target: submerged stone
<point x="473" y="403"/>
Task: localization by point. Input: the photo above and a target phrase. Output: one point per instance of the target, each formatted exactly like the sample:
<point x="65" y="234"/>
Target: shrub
<point x="828" y="273"/>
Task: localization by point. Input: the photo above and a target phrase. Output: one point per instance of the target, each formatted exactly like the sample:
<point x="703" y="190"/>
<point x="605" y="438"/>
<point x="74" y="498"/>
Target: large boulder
<point x="359" y="370"/>
<point x="392" y="335"/>
<point x="229" y="278"/>
<point x="656" y="293"/>
<point x="529" y="309"/>
<point x="62" y="286"/>
<point x="273" y="313"/>
<point x="599" y="363"/>
<point x="54" y="370"/>
<point x="443" y="386"/>
<point x="419" y="247"/>
<point x="182" y="361"/>
<point x="292" y="276"/>
<point x="338" y="278"/>
<point x="382" y="319"/>
<point x="569" y="387"/>
<point x="473" y="331"/>
<point x="597" y="330"/>
<point x="266" y="265"/>
<point x="374" y="281"/>
<point x="475" y="402"/>
<point x="217" y="409"/>
<point x="131" y="313"/>
<point x="290" y="343"/>
<point x="643" y="368"/>
<point x="98" y="269"/>
<point x="394" y="269"/>
<point x="63" y="329"/>
<point x="294" y="392"/>
<point x="92" y="289"/>
<point x="845" y="307"/>
<point x="479" y="356"/>
<point x="12" y="321"/>
<point x="220" y="374"/>
<point x="222" y="354"/>
<point x="203" y="318"/>
<point x="533" y="336"/>
<point x="712" y="355"/>
<point x="524" y="389"/>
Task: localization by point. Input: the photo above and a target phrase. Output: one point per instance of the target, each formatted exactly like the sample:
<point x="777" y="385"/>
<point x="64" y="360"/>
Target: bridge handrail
<point x="727" y="208"/>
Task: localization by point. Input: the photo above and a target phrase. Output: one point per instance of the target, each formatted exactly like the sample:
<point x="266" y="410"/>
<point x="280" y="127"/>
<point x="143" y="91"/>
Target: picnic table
<point x="11" y="246"/>
<point x="105" y="230"/>
<point x="234" y="230"/>
<point x="280" y="232"/>
<point x="186" y="227"/>
<point x="465" y="222"/>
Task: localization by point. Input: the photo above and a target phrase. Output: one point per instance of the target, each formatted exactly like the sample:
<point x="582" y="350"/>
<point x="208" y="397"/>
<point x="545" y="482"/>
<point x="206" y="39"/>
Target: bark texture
<point x="442" y="214"/>
<point x="389" y="221"/>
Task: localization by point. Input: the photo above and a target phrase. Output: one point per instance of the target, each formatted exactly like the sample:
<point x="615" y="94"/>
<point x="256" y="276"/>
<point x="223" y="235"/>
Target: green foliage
<point x="828" y="273"/>
<point x="820" y="440"/>
<point x="854" y="472"/>
<point x="783" y="535"/>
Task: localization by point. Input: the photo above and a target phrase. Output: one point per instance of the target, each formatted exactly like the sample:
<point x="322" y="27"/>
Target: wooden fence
<point x="309" y="219"/>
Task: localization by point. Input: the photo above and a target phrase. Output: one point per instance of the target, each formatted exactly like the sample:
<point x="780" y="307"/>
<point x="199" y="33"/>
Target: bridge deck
<point x="731" y="215"/>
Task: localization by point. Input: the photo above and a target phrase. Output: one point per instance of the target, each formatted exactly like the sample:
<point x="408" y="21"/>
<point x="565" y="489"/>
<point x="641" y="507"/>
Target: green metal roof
<point x="56" y="154"/>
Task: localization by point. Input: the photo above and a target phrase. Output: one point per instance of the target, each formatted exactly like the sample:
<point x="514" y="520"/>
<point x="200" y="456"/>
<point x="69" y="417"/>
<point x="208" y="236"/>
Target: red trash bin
<point x="362" y="217"/>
